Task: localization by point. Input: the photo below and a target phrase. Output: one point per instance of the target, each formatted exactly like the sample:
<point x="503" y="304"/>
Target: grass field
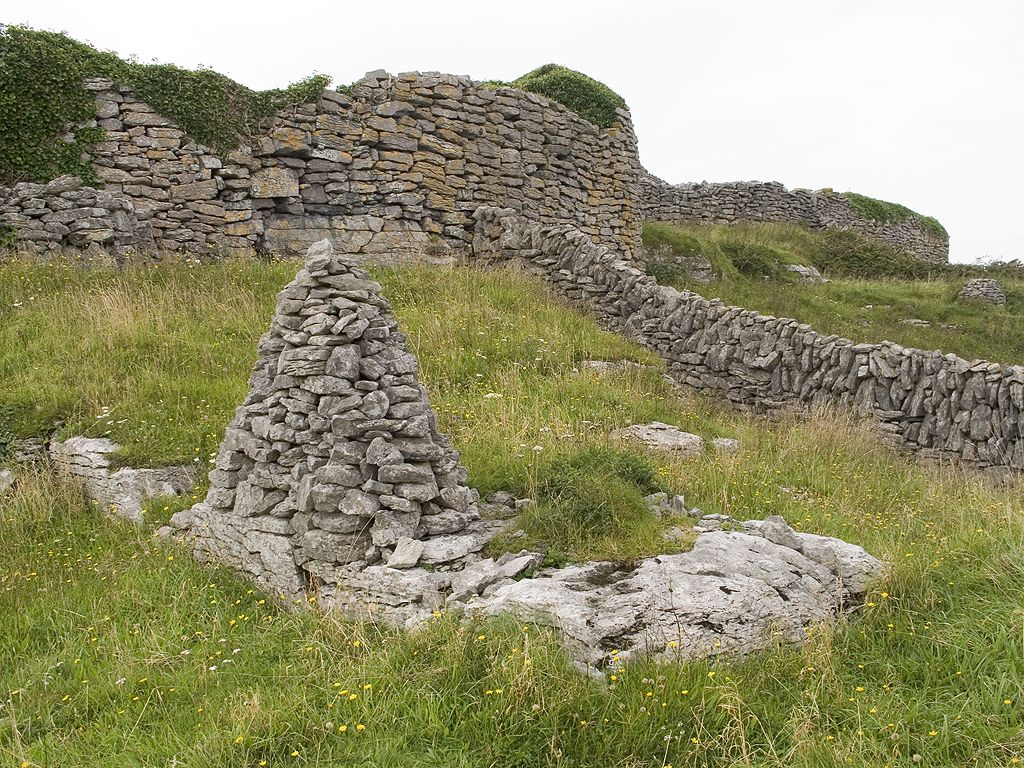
<point x="118" y="650"/>
<point x="872" y="292"/>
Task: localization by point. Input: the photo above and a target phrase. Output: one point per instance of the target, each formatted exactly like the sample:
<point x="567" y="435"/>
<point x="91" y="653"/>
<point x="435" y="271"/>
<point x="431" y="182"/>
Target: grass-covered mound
<point x="883" y="210"/>
<point x="116" y="649"/>
<point x="874" y="289"/>
<point x="41" y="94"/>
<point x="584" y="95"/>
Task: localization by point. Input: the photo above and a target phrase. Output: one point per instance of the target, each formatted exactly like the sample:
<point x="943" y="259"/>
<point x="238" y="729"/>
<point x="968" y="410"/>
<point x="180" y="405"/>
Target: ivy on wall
<point x="882" y="210"/>
<point x="41" y="95"/>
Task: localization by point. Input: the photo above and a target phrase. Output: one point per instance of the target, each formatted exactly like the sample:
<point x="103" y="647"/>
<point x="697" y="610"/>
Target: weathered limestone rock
<point x="735" y="592"/>
<point x="6" y="481"/>
<point x="985" y="289"/>
<point x="122" y="492"/>
<point x="334" y="463"/>
<point x="662" y="437"/>
<point x="806" y="274"/>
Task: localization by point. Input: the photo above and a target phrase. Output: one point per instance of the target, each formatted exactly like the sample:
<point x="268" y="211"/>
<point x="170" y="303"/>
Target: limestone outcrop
<point x="332" y="477"/>
<point x="735" y="592"/>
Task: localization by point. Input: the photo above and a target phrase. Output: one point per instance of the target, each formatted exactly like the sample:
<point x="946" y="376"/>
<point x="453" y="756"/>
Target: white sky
<point x="914" y="101"/>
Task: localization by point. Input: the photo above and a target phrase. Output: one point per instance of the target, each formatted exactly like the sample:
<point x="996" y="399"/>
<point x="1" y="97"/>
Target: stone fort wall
<point x="399" y="162"/>
<point x="936" y="403"/>
<point x="732" y="202"/>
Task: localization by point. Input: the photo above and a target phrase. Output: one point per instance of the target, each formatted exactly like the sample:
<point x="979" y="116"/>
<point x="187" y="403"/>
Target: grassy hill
<point x="119" y="650"/>
<point x="873" y="290"/>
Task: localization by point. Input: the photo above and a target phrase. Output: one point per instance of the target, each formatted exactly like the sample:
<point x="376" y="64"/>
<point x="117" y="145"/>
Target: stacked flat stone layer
<point x="66" y="214"/>
<point x="739" y="201"/>
<point x="939" y="404"/>
<point x="334" y="464"/>
<point x="398" y="164"/>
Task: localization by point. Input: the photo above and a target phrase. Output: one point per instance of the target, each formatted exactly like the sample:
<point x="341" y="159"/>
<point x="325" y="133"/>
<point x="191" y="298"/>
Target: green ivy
<point x="41" y="95"/>
<point x="881" y="210"/>
<point x="588" y="98"/>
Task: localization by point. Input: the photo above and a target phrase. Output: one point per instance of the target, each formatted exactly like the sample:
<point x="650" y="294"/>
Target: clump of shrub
<point x="597" y="492"/>
<point x="41" y="96"/>
<point x="584" y="95"/>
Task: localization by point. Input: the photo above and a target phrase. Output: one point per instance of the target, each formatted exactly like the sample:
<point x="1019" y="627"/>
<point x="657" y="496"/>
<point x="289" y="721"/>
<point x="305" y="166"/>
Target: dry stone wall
<point x="398" y="164"/>
<point x="66" y="214"/>
<point x="770" y="201"/>
<point x="937" y="403"/>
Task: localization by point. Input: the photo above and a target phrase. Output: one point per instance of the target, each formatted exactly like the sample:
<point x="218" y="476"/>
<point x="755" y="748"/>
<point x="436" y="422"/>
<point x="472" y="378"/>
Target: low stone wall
<point x="66" y="214"/>
<point x="939" y="404"/>
<point x="122" y="492"/>
<point x="770" y="201"/>
<point x="399" y="162"/>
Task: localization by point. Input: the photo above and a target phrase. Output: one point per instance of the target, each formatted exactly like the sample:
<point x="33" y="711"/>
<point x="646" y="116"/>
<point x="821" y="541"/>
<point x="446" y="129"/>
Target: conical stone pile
<point x="332" y="479"/>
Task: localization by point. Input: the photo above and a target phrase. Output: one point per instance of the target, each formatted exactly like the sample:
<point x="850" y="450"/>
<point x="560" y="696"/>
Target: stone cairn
<point x="332" y="481"/>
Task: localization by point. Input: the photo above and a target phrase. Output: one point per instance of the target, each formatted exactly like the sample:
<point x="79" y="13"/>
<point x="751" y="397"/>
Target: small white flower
<point x="119" y="681"/>
<point x="213" y="668"/>
<point x="537" y="448"/>
<point x="492" y="395"/>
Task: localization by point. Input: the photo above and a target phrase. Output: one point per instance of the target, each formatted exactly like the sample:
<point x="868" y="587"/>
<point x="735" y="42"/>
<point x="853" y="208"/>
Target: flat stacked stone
<point x="332" y="477"/>
<point x="985" y="289"/>
<point x="65" y="213"/>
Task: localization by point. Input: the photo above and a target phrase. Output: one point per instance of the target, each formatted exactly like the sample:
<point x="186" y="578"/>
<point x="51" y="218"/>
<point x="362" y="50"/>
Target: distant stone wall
<point x="399" y="163"/>
<point x="66" y="214"/>
<point x="939" y="404"/>
<point x="770" y="201"/>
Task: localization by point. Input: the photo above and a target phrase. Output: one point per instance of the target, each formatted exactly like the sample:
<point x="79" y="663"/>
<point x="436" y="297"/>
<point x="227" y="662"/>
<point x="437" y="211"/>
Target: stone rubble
<point x="122" y="492"/>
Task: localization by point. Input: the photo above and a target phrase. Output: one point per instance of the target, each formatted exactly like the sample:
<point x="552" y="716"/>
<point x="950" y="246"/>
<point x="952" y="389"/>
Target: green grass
<point x="859" y="303"/>
<point x="95" y="615"/>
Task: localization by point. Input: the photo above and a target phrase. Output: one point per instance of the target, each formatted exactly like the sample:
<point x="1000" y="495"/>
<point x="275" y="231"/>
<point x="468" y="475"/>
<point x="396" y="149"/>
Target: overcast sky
<point x="918" y="102"/>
